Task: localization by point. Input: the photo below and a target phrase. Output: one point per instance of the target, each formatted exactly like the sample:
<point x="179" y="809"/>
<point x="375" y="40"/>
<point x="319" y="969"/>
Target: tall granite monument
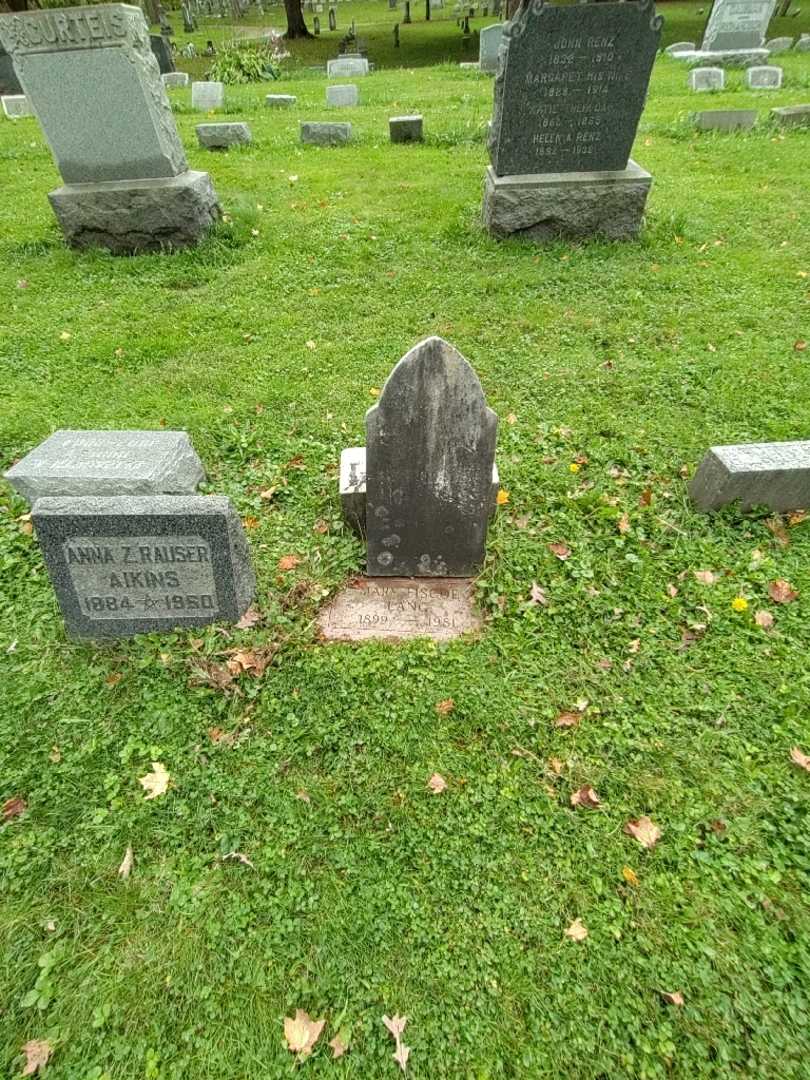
<point x="734" y="35"/>
<point x="569" y="93"/>
<point x="95" y="86"/>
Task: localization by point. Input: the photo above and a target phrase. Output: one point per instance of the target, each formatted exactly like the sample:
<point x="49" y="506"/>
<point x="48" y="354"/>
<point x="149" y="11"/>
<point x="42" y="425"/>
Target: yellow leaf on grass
<point x="630" y="876"/>
<point x="798" y="757"/>
<point x="156" y="782"/>
<point x="502" y="497"/>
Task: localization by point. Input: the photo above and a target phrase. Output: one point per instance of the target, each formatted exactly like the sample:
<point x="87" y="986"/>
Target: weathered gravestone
<point x="725" y="119"/>
<point x="779" y="44"/>
<point x="206" y="96"/>
<point x="569" y="93"/>
<point x="734" y="35"/>
<point x="280" y="101"/>
<point x="176" y="80"/>
<point x="95" y="86"/>
<point x="792" y="115"/>
<point x="679" y="47"/>
<point x="766" y="77"/>
<point x="776" y="475"/>
<point x="223" y="136"/>
<point x="347" y="65"/>
<point x="342" y="96"/>
<point x="711" y="78"/>
<point x="489" y="42"/>
<point x="405" y="129"/>
<point x="163" y="53"/>
<point x="803" y="44"/>
<point x="16" y="105"/>
<point x="430" y="451"/>
<point x="131" y="564"/>
<point x="108" y="463"/>
<point x="324" y="133"/>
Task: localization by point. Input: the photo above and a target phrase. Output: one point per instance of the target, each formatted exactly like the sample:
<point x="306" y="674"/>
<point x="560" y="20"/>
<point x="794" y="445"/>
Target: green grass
<point x="375" y="896"/>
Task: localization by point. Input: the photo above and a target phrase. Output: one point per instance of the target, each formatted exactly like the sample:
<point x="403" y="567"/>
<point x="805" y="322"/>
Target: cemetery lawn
<point x="298" y="859"/>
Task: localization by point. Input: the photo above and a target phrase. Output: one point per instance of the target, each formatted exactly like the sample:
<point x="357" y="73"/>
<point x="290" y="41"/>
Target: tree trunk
<point x="427" y="10"/>
<point x="20" y="5"/>
<point x="296" y="27"/>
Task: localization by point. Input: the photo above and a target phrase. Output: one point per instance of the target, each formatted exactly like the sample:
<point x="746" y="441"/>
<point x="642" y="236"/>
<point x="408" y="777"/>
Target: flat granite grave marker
<point x="223" y="136"/>
<point x="776" y="475"/>
<point x="132" y="564"/>
<point x="347" y="65"/>
<point x="679" y="47"/>
<point x="405" y="129"/>
<point x="95" y="87"/>
<point x="725" y="119"/>
<point x="393" y="609"/>
<point x="324" y="133"/>
<point x="16" y="106"/>
<point x="569" y="94"/>
<point x="705" y="79"/>
<point x="792" y="115"/>
<point x="767" y="77"/>
<point x="108" y="463"/>
<point x="280" y="101"/>
<point x="342" y="96"/>
<point x="779" y="44"/>
<point x="176" y="80"/>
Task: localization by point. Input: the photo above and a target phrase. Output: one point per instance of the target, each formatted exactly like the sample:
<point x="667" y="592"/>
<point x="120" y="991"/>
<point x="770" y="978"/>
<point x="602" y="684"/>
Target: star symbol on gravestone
<point x="149" y="602"/>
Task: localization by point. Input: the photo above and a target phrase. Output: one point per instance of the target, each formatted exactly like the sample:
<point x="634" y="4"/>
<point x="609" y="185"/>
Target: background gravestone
<point x="489" y="42"/>
<point x="95" y="86"/>
<point x="776" y="475"/>
<point x="737" y="24"/>
<point x="430" y="452"/>
<point x="569" y="93"/>
<point x="125" y="565"/>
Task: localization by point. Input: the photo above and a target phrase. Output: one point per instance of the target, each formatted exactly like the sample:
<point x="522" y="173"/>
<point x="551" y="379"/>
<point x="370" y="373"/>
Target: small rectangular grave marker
<point x="489" y="43"/>
<point x="124" y="565"/>
<point x="342" y="96"/>
<point x="347" y="65"/>
<point x="726" y="119"/>
<point x="703" y="79"/>
<point x="405" y="129"/>
<point x="396" y="609"/>
<point x="176" y="80"/>
<point x="776" y="475"/>
<point x="280" y="101"/>
<point x="767" y="77"/>
<point x="16" y="106"/>
<point x="323" y="133"/>
<point x="792" y="115"/>
<point x="223" y="136"/>
<point x="206" y="96"/>
<point x="108" y="463"/>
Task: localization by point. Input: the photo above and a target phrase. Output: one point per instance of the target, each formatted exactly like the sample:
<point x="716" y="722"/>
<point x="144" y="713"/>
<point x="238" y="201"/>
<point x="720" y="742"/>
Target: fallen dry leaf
<point x="645" y="498"/>
<point x="675" y="998"/>
<point x="156" y="782"/>
<point x="253" y="661"/>
<point x="396" y="1025"/>
<point x="239" y="856"/>
<point x="338" y="1047"/>
<point x="13" y="807"/>
<point x="800" y="345"/>
<point x="249" y="619"/>
<point x="577" y="931"/>
<point x="289" y="562"/>
<point x="114" y="678"/>
<point x="774" y="525"/>
<point x="125" y="869"/>
<point x="796" y="517"/>
<point x="437" y="784"/>
<point x="706" y="577"/>
<point x="204" y="673"/>
<point x="303" y="795"/>
<point x="502" y="498"/>
<point x="645" y="831"/>
<point x="537" y="595"/>
<point x="555" y="765"/>
<point x="623" y="524"/>
<point x="799" y="758"/>
<point x="562" y="551"/>
<point x="445" y="707"/>
<point x="302" y="1032"/>
<point x="764" y="619"/>
<point x="568" y="719"/>
<point x="321" y="526"/>
<point x="37" y="1052"/>
<point x="630" y="876"/>
<point x="782" y="592"/>
<point x="586" y="797"/>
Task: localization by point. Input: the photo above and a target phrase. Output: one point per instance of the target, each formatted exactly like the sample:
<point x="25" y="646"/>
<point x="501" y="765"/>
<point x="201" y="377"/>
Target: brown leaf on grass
<point x="674" y="998"/>
<point x="401" y="1055"/>
<point x="672" y="592"/>
<point x="555" y="765"/>
<point x="289" y="562"/>
<point x="253" y="661"/>
<point x="623" y="524"/>
<point x="800" y="345"/>
<point x="577" y="931"/>
<point x="437" y="784"/>
<point x="706" y="577"/>
<point x="207" y="673"/>
<point x="645" y="831"/>
<point x="338" y="1047"/>
<point x="645" y="498"/>
<point x="776" y="526"/>
<point x="568" y="719"/>
<point x="114" y="678"/>
<point x="156" y="782"/>
<point x="251" y="617"/>
<point x="13" y="807"/>
<point x="125" y="869"/>
<point x="764" y="619"/>
<point x="796" y="517"/>
<point x="585" y="797"/>
<point x="250" y="522"/>
<point x="798" y="757"/>
<point x="562" y="551"/>
<point x="537" y="595"/>
<point x="396" y="1025"/>
<point x="321" y="526"/>
<point x="782" y="592"/>
<point x="302" y="1032"/>
<point x="37" y="1052"/>
<point x="445" y="707"/>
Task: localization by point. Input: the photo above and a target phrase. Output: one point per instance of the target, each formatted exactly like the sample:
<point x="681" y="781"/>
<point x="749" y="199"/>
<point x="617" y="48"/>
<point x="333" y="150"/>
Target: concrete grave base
<point x="395" y="609"/>
<point x="546" y="206"/>
<point x="792" y="115"/>
<point x="724" y="58"/>
<point x="137" y="215"/>
<point x="726" y="119"/>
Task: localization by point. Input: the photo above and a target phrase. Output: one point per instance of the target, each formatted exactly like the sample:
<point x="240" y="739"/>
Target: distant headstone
<point x="768" y="77"/>
<point x="792" y="115"/>
<point x="280" y="101"/>
<point x="332" y="19"/>
<point x="776" y="475"/>
<point x="737" y="24"/>
<point x="779" y="44"/>
<point x="206" y="96"/>
<point x="316" y="26"/>
<point x="323" y="133"/>
<point x="347" y="65"/>
<point x="176" y="80"/>
<point x="108" y="463"/>
<point x="223" y="136"/>
<point x="132" y="564"/>
<point x="489" y="42"/>
<point x="679" y="47"/>
<point x="342" y="96"/>
<point x="726" y="119"/>
<point x="701" y="79"/>
<point x="163" y="53"/>
<point x="803" y="44"/>
<point x="496" y="7"/>
<point x="94" y="84"/>
<point x="405" y="129"/>
<point x="16" y="105"/>
<point x="569" y="92"/>
<point x="430" y="451"/>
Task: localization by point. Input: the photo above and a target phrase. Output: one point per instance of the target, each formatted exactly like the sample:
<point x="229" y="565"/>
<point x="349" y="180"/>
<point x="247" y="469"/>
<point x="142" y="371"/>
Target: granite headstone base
<point x="734" y="58"/>
<point x="123" y="565"/>
<point x="792" y="115"/>
<point x="776" y="475"/>
<point x="137" y="215"/>
<point x="575" y="205"/>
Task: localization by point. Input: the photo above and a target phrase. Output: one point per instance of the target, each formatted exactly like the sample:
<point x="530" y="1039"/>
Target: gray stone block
<point x="726" y="119"/>
<point x="280" y="101"/>
<point x="206" y="96"/>
<point x="108" y="463"/>
<point x="776" y="475"/>
<point x="176" y="80"/>
<point x="347" y="65"/>
<point x="732" y="58"/>
<point x="679" y="47"/>
<point x="405" y="129"/>
<point x="16" y="106"/>
<point x="223" y="136"/>
<point x="704" y="79"/>
<point x="737" y="24"/>
<point x="323" y="133"/>
<point x="768" y="77"/>
<point x="342" y="96"/>
<point x="779" y="44"/>
<point x="123" y="565"/>
<point x="137" y="215"/>
<point x="792" y="115"/>
<point x="547" y="206"/>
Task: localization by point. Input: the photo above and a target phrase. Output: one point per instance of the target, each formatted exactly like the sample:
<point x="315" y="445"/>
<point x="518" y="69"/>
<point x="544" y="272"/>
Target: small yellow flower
<point x="739" y="603"/>
<point x="502" y="497"/>
<point x="574" y="467"/>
